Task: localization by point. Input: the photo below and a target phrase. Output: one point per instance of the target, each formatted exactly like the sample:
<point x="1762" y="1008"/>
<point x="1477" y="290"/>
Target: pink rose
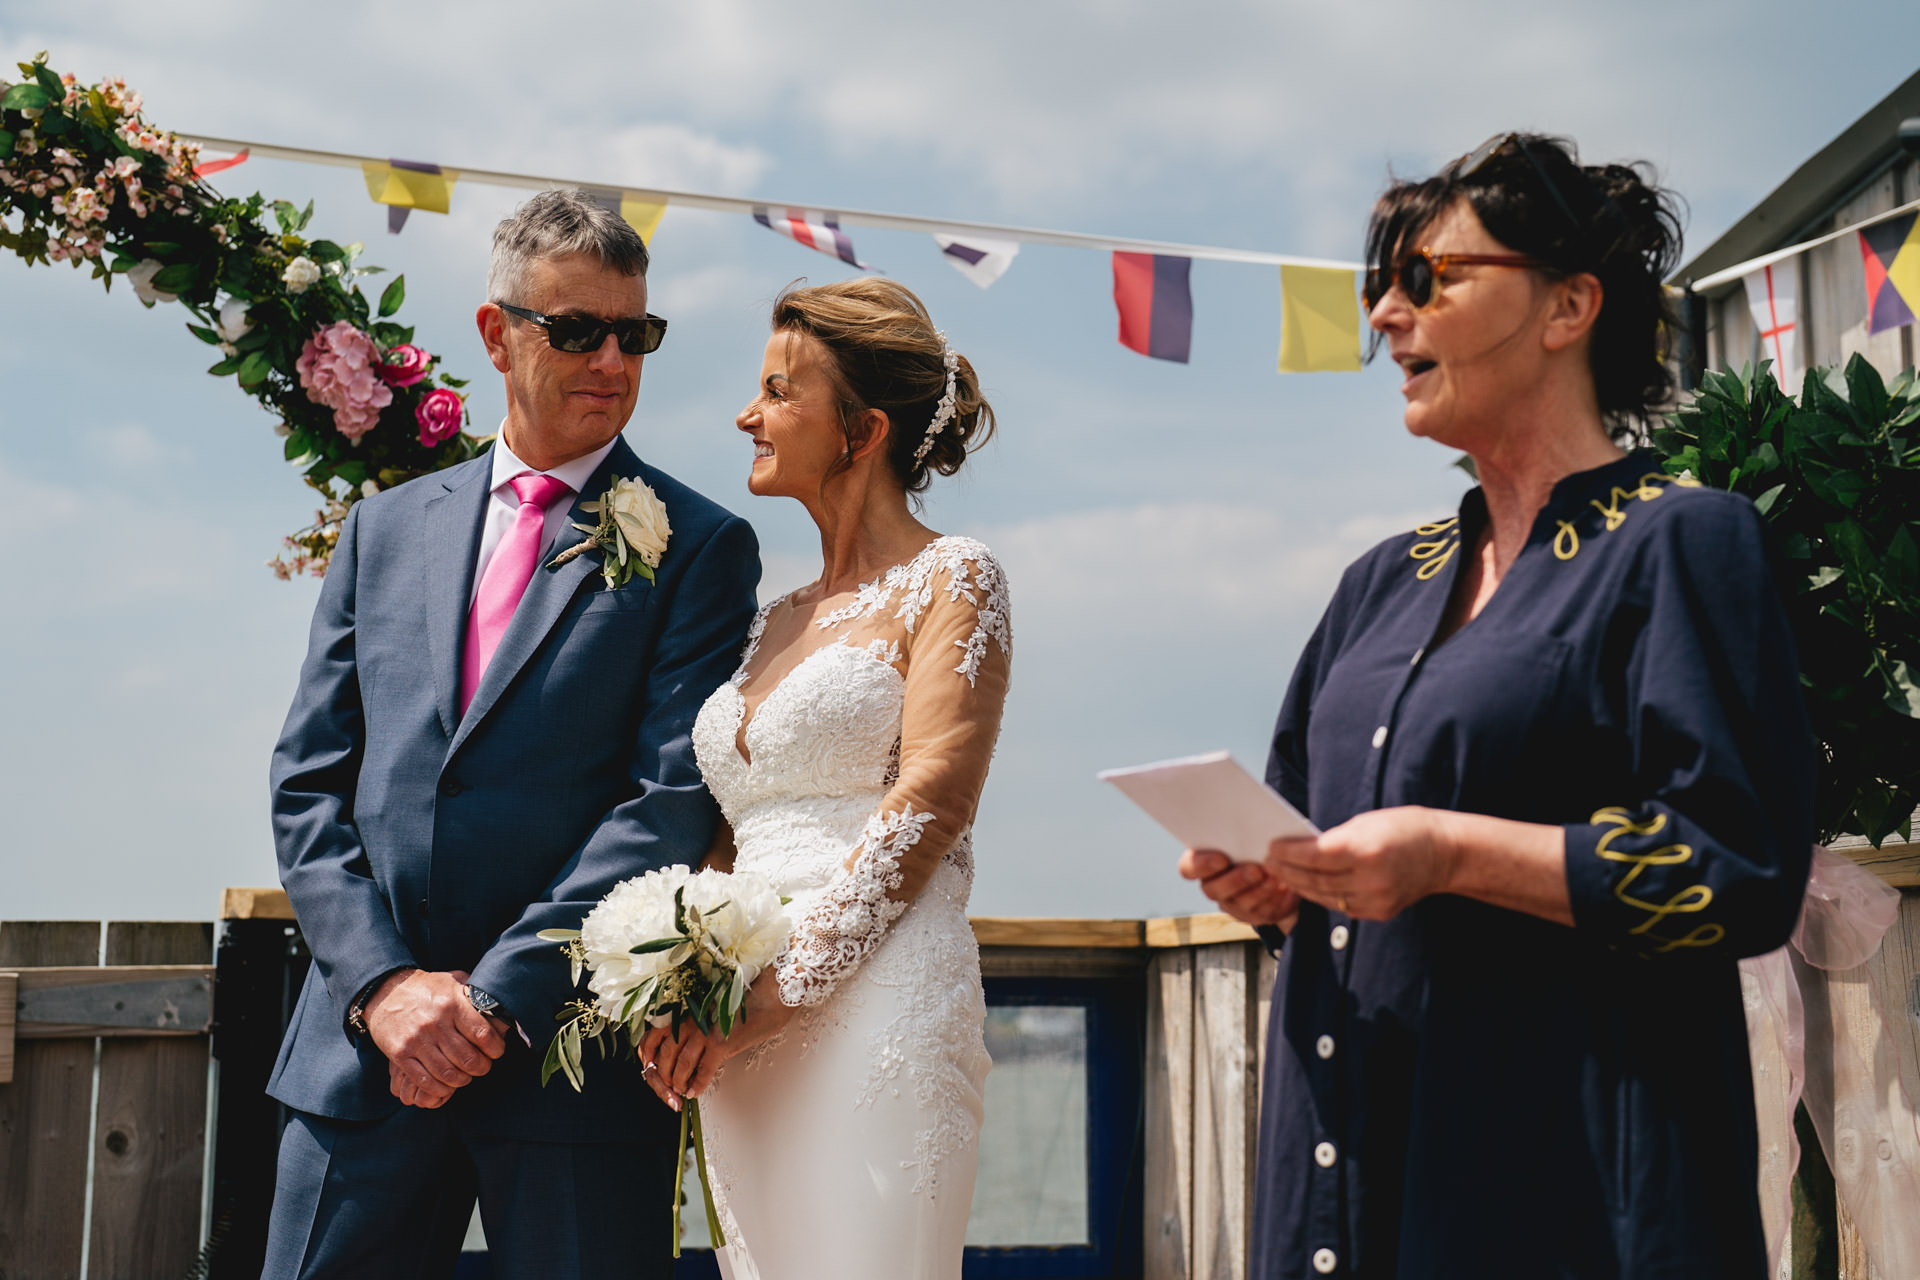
<point x="404" y="365"/>
<point x="439" y="415"/>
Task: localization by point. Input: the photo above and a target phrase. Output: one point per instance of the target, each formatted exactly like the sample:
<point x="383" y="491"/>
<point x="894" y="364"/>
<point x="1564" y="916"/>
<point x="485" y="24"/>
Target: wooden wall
<point x="1833" y="291"/>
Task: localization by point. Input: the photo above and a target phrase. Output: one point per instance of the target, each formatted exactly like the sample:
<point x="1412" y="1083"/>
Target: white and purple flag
<point x="813" y="229"/>
<point x="978" y="259"/>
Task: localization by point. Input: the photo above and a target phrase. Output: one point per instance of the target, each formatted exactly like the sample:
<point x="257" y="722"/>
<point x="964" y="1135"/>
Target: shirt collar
<point x="573" y="474"/>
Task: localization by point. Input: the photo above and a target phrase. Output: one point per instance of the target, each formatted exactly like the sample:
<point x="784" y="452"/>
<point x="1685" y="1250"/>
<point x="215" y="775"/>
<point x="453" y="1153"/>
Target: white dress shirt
<point x="503" y="506"/>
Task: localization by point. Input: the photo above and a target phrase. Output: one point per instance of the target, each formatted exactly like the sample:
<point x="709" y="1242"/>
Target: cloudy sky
<point x="1171" y="531"/>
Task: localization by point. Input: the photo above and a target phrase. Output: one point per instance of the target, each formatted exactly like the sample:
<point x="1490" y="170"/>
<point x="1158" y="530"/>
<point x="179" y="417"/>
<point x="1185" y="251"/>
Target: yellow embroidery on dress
<point x="1434" y="554"/>
<point x="1566" y="543"/>
<point x="1688" y="900"/>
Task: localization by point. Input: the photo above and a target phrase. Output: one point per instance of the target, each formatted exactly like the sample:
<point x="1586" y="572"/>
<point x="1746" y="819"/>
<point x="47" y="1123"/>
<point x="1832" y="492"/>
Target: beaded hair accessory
<point x="944" y="413"/>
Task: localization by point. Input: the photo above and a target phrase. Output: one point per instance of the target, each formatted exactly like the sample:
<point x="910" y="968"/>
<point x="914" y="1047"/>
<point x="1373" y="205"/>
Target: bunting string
<point x="1321" y="328"/>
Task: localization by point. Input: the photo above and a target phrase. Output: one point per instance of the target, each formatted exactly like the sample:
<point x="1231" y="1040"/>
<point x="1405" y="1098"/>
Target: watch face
<point x="481" y="1000"/>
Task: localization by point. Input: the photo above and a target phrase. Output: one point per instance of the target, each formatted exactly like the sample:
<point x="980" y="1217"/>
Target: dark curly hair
<point x="886" y="355"/>
<point x="1614" y="221"/>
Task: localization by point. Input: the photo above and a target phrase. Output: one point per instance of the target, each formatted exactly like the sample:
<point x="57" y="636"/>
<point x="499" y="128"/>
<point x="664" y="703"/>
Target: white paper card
<point x="1211" y="802"/>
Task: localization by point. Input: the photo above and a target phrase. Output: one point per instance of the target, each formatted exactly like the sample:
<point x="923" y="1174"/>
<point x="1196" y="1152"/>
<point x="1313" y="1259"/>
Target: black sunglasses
<point x="579" y="335"/>
<point x="1421" y="273"/>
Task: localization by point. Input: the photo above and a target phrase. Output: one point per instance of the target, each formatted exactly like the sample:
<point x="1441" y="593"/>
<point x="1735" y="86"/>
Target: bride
<point x="847" y="754"/>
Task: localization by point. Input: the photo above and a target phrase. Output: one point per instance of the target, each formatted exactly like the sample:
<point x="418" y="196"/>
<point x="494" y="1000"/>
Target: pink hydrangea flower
<point x="405" y="365"/>
<point x="439" y="416"/>
<point x="339" y="369"/>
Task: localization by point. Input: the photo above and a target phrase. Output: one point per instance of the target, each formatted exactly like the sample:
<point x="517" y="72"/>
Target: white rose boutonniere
<point x="631" y="534"/>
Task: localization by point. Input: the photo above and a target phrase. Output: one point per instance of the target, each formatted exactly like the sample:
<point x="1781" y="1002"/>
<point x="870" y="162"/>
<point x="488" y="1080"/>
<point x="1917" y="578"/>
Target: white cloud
<point x="131" y="444"/>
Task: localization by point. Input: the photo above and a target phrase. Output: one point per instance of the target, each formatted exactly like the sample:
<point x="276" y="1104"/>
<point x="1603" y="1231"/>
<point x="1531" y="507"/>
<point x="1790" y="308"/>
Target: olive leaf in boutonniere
<point x="631" y="534"/>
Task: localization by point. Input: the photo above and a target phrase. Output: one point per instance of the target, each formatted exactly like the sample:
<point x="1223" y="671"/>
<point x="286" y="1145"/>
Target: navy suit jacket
<point x="408" y="834"/>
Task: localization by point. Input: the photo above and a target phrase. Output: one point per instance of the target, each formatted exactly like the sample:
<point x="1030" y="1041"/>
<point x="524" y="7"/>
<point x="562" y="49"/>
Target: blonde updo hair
<point x="884" y="354"/>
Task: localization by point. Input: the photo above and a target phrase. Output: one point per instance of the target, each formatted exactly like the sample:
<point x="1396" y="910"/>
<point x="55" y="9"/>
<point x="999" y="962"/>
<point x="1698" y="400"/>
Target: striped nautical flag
<point x="1155" y="304"/>
<point x="977" y="258"/>
<point x="406" y="185"/>
<point x="813" y="229"/>
<point x="1891" y="252"/>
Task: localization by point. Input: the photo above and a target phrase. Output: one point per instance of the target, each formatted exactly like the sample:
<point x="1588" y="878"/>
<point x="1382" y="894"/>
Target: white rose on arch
<point x="233" y="324"/>
<point x="300" y="273"/>
<point x="141" y="275"/>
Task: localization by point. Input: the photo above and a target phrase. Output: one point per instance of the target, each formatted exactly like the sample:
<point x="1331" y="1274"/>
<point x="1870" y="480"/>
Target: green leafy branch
<point x="1837" y="475"/>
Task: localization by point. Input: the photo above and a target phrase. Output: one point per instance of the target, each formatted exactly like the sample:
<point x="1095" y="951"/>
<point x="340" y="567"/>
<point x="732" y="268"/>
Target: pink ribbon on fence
<point x="1852" y="1087"/>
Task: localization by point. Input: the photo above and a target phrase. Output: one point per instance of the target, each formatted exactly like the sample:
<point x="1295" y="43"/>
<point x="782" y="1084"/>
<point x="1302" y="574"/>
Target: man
<point x="483" y="744"/>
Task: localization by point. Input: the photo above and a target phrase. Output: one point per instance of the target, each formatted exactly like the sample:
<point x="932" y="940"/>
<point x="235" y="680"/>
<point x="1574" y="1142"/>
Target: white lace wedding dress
<point x="846" y="1146"/>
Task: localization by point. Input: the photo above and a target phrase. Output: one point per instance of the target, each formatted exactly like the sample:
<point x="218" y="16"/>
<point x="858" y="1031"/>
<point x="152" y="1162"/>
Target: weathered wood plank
<point x="1263" y="997"/>
<point x="1038" y="931"/>
<point x="150" y="1149"/>
<point x="255" y="904"/>
<point x="44" y="1118"/>
<point x="1169" y="1117"/>
<point x="9" y="997"/>
<point x="1896" y="862"/>
<point x="1196" y="931"/>
<point x="58" y="978"/>
<point x="1223" y="1108"/>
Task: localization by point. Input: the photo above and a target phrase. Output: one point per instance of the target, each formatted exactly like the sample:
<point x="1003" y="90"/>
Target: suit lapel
<point x="453" y="521"/>
<point x="548" y="594"/>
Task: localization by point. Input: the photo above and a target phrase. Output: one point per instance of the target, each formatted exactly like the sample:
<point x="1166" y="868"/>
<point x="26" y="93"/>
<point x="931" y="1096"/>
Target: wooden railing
<point x="111" y="1164"/>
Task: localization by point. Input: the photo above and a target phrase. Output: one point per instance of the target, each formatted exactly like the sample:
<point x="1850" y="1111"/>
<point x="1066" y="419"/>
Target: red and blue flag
<point x="1155" y="302"/>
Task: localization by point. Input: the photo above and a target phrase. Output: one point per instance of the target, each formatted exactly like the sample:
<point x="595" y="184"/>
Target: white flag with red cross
<point x="1773" y="297"/>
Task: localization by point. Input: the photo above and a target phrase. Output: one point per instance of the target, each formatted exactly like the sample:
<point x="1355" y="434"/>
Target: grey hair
<point x="555" y="224"/>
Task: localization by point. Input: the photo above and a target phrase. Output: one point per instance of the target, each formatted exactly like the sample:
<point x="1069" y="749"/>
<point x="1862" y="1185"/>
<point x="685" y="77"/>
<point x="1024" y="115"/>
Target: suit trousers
<point x="390" y="1199"/>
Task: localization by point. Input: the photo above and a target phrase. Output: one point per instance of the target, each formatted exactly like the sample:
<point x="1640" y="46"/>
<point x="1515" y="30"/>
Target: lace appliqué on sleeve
<point x="851" y="915"/>
<point x="973" y="575"/>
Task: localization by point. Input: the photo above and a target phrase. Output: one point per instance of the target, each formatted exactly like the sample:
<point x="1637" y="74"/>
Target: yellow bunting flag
<point x="642" y="213"/>
<point x="410" y="185"/>
<point x="1319" y="320"/>
<point x="406" y="185"/>
<point x="645" y="215"/>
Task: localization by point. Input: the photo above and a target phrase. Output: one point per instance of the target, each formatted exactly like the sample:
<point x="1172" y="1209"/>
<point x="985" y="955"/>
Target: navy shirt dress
<point x="1469" y="1091"/>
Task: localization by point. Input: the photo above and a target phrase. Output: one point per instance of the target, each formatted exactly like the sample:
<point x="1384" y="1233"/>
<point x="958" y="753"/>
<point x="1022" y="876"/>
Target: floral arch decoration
<point x="86" y="180"/>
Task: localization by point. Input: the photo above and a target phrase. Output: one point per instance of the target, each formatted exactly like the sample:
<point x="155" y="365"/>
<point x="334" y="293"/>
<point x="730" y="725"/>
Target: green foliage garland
<point x="1837" y="475"/>
<point x="86" y="180"/>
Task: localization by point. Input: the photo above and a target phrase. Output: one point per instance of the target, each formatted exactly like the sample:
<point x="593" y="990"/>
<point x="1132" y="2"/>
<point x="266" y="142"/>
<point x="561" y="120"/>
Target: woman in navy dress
<point x="1556" y="747"/>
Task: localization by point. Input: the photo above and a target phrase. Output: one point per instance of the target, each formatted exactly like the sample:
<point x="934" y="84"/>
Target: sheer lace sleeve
<point x="958" y="654"/>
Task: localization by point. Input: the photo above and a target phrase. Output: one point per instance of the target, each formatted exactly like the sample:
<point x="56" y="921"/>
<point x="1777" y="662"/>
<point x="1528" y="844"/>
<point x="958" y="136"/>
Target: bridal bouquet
<point x="663" y="948"/>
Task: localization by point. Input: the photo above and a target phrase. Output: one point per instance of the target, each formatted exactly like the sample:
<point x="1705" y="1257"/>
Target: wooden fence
<point x="112" y="1163"/>
<point x="103" y="1109"/>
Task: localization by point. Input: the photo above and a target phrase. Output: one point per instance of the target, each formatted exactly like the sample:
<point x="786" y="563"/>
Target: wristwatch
<point x="485" y="1002"/>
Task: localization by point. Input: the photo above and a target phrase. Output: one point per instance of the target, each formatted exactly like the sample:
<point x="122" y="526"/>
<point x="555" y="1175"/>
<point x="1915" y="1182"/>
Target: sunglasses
<point x="1421" y="273"/>
<point x="579" y="335"/>
<point x="1472" y="162"/>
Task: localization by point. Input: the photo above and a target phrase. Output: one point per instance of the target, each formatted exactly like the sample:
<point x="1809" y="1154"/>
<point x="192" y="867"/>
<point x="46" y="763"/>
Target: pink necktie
<point x="506" y="578"/>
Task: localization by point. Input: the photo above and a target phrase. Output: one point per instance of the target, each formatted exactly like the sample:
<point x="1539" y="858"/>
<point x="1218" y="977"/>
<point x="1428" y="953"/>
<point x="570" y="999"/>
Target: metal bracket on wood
<point x="113" y="1000"/>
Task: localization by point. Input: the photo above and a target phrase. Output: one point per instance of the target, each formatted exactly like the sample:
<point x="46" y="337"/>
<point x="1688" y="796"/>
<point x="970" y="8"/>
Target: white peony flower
<point x="233" y="324"/>
<point x="141" y="275"/>
<point x="636" y="911"/>
<point x="300" y="273"/>
<point x="282" y="430"/>
<point x="744" y="924"/>
<point x="369" y="488"/>
<point x="642" y="519"/>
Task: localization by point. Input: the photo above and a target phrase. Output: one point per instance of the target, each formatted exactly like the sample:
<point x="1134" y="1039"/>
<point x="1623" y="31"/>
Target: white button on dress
<point x="1337" y="937"/>
<point x="1380" y="737"/>
<point x="1324" y="1262"/>
<point x="1324" y="1046"/>
<point x="1324" y="1155"/>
